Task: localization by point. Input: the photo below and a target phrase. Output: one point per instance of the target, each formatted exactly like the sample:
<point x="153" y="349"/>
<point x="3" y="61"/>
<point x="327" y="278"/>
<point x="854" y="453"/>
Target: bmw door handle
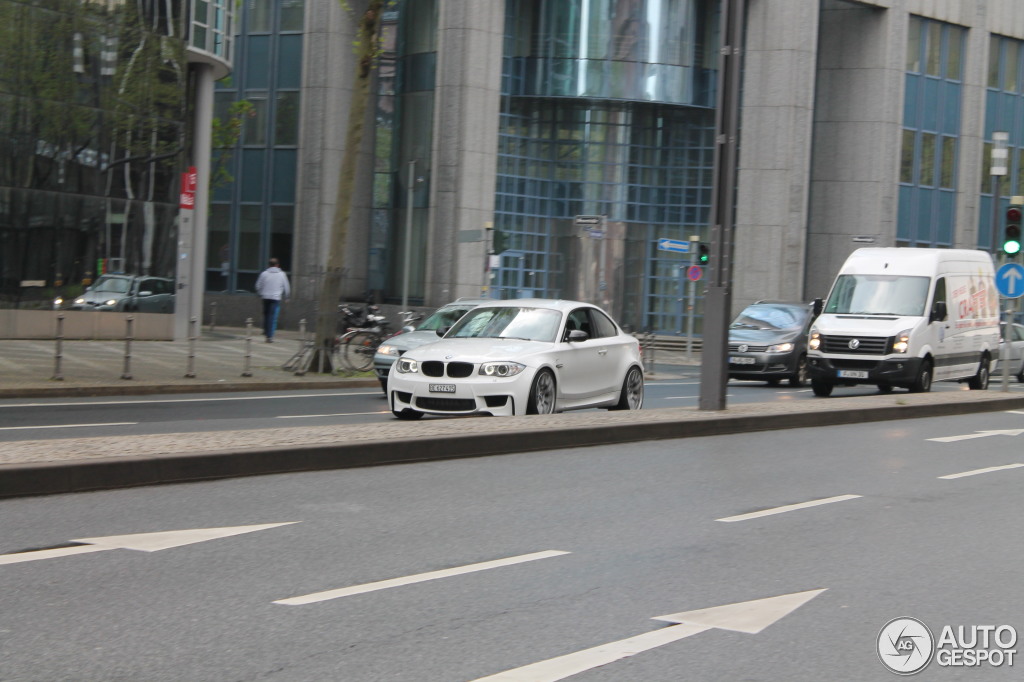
<point x="602" y="351"/>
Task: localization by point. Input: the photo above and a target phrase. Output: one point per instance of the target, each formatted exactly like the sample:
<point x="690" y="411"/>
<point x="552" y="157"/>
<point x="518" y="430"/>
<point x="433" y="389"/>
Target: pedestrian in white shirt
<point x="272" y="286"/>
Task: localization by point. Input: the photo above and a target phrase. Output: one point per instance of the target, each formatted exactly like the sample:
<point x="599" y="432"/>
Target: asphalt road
<point x="46" y="418"/>
<point x="629" y="533"/>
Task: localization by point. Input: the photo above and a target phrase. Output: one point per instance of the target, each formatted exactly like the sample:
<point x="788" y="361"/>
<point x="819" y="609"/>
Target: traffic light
<point x="499" y="242"/>
<point x="702" y="251"/>
<point x="1011" y="233"/>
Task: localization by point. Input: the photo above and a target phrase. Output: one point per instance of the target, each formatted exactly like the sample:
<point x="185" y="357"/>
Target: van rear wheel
<point x="979" y="382"/>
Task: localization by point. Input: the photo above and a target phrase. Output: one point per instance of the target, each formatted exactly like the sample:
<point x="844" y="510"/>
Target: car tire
<point x="979" y="382"/>
<point x="383" y="385"/>
<point x="799" y="379"/>
<point x="407" y="414"/>
<point x="631" y="397"/>
<point x="542" y="393"/>
<point x="923" y="382"/>
<point x="822" y="389"/>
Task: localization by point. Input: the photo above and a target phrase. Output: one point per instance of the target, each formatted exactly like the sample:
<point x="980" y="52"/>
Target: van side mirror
<point x="817" y="305"/>
<point x="939" y="312"/>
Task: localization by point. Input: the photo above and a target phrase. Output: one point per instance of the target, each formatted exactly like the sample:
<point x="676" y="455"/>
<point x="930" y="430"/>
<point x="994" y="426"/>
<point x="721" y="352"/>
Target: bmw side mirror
<point x="577" y="335"/>
<point x="441" y="331"/>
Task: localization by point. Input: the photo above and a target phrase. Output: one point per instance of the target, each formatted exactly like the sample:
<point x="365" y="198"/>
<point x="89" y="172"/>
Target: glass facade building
<point x="93" y="109"/>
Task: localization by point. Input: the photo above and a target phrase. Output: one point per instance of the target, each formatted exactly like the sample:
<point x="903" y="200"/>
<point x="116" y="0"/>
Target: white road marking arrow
<point x="142" y="542"/>
<point x="978" y="434"/>
<point x="750" y="617"/>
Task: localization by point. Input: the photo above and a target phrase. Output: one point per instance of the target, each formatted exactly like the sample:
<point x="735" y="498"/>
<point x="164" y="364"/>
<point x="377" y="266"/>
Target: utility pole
<point x="714" y="372"/>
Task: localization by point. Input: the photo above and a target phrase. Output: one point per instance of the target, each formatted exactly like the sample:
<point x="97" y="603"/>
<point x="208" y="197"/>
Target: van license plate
<point x="441" y="388"/>
<point x="735" y="360"/>
<point x="852" y="374"/>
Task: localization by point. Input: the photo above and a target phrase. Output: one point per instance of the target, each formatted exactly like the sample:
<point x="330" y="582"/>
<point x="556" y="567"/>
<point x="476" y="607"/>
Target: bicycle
<point x="365" y="330"/>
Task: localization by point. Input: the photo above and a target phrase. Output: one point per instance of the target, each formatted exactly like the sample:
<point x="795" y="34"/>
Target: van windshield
<point x="879" y="295"/>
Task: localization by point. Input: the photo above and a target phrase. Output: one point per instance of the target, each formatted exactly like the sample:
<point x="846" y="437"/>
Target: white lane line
<point x="788" y="508"/>
<point x="422" y="577"/>
<point x="987" y="470"/>
<point x="189" y="400"/>
<point x="580" y="661"/>
<point x="336" y="414"/>
<point x="1015" y="411"/>
<point x="65" y="426"/>
<point x="690" y="397"/>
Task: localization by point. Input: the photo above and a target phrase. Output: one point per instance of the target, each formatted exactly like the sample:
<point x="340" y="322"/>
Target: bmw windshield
<point x="879" y="295"/>
<point x="528" y="324"/>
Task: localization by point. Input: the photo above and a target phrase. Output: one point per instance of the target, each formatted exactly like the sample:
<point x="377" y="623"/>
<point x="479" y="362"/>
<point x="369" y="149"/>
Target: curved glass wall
<point x="92" y="141"/>
<point x="637" y="50"/>
<point x="569" y="147"/>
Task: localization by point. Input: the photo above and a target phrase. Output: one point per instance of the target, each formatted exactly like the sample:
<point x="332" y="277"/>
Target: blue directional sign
<point x="675" y="245"/>
<point x="1010" y="280"/>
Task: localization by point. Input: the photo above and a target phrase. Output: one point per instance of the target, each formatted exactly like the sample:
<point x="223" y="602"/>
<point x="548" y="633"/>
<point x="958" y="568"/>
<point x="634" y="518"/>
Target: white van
<point x="903" y="317"/>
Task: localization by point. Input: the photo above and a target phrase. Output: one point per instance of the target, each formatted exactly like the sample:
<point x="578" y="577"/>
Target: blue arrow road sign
<point x="1010" y="280"/>
<point x="675" y="245"/>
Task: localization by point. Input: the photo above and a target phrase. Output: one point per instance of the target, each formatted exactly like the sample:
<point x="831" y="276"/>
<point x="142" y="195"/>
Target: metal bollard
<point x="128" y="348"/>
<point x="57" y="376"/>
<point x="190" y="372"/>
<point x="213" y="315"/>
<point x="246" y="371"/>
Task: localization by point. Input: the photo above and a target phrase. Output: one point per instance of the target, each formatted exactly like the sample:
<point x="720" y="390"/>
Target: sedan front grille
<point x="456" y="370"/>
<point x="750" y="348"/>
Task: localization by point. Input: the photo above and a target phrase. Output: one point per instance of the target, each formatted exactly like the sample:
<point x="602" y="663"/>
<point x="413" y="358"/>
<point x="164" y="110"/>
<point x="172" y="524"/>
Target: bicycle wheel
<point x="359" y="350"/>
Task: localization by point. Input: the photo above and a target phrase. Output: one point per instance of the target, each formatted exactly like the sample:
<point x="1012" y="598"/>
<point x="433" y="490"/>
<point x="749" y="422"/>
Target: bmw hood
<point x="479" y="350"/>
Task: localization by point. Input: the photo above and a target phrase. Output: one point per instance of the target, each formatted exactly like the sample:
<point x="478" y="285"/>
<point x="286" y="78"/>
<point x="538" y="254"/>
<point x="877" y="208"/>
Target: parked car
<point x="527" y="356"/>
<point x="128" y="293"/>
<point x="768" y="342"/>
<point x="1014" y="346"/>
<point x="396" y="346"/>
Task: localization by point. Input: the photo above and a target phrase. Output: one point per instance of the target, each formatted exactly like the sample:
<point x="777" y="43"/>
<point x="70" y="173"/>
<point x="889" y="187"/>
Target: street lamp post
<point x="411" y="182"/>
<point x="998" y="170"/>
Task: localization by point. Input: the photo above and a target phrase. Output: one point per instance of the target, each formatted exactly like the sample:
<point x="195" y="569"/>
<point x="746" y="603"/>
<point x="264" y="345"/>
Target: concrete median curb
<point x="59" y="390"/>
<point x="430" y="440"/>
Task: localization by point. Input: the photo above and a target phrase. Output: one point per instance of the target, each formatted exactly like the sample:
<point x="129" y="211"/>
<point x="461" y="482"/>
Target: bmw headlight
<point x="781" y="348"/>
<point x="407" y="366"/>
<point x="814" y="343"/>
<point x="501" y="369"/>
<point x="902" y="342"/>
<point x="385" y="349"/>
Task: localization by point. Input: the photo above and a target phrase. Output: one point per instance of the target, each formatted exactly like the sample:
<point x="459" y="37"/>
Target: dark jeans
<point x="270" y="310"/>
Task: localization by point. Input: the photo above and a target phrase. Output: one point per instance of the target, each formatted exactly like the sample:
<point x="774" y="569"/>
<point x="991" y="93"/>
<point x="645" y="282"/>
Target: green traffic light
<point x="1011" y="248"/>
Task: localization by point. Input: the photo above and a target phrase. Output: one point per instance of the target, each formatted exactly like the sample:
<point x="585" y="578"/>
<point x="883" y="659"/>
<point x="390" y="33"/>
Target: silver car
<point x="128" y="293"/>
<point x="1011" y="346"/>
<point x="441" y="319"/>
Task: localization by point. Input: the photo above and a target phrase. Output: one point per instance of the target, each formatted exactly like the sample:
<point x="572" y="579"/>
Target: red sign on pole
<point x="188" y="189"/>
<point x="694" y="273"/>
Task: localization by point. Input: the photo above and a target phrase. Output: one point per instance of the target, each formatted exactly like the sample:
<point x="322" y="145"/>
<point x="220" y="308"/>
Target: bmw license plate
<point x="441" y="388"/>
<point x="736" y="360"/>
<point x="852" y="374"/>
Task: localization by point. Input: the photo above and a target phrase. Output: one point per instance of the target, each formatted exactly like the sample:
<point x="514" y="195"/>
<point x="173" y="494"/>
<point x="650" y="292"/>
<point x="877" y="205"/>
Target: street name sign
<point x="673" y="245"/>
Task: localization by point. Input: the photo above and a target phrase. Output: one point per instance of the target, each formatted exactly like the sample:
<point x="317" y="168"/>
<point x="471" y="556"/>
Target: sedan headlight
<point x="814" y="343"/>
<point x="781" y="348"/>
<point x="110" y="301"/>
<point x="902" y="342"/>
<point x="407" y="366"/>
<point x="387" y="350"/>
<point x="79" y="301"/>
<point x="501" y="369"/>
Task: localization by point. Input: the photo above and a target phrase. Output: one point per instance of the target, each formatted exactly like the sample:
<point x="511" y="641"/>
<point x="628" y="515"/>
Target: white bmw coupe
<point x="526" y="356"/>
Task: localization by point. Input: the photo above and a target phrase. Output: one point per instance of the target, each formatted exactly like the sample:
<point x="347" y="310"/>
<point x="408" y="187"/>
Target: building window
<point x="931" y="133"/>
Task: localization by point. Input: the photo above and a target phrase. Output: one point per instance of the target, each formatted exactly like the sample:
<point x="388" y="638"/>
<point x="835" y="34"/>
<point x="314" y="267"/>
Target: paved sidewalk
<point x="96" y="368"/>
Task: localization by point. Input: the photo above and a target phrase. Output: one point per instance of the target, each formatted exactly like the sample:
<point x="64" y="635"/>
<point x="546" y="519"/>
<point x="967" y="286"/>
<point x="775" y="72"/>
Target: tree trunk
<point x="330" y="292"/>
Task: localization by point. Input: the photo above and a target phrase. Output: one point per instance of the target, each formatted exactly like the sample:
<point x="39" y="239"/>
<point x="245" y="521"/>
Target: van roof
<point x="881" y="260"/>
